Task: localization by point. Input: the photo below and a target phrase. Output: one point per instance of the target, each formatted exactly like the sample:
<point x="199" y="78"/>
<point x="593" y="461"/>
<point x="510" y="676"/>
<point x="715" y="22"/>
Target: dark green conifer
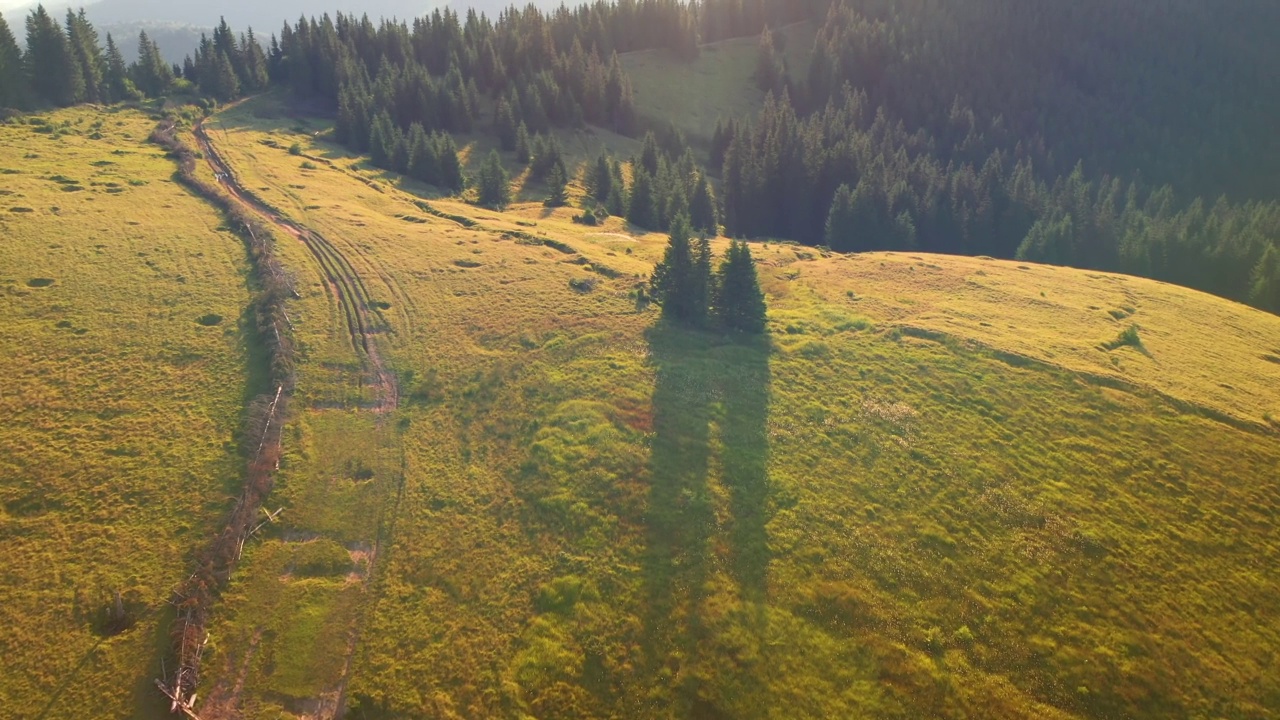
<point x="491" y="182"/>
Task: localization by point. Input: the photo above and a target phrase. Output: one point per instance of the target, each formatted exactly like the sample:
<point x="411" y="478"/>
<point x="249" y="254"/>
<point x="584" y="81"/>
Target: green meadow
<point x="939" y="487"/>
<point x="122" y="301"/>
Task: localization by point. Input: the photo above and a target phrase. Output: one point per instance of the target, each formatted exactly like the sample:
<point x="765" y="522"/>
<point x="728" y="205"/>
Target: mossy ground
<point x="122" y="300"/>
<point x="927" y="493"/>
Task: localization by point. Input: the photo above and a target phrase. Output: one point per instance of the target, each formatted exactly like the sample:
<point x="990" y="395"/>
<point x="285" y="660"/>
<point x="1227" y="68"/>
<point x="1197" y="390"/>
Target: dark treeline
<point x="540" y="70"/>
<point x="1074" y="133"/>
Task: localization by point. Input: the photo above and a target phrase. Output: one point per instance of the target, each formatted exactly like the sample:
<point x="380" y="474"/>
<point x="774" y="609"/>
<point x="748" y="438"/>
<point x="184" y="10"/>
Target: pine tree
<point x="649" y="154"/>
<point x="254" y="64"/>
<point x="82" y="40"/>
<point x="702" y="290"/>
<point x="492" y="182"/>
<point x="673" y="282"/>
<point x="642" y="208"/>
<point x="423" y="163"/>
<point x="1264" y="291"/>
<point x="558" y="186"/>
<point x="450" y="167"/>
<point x="769" y="73"/>
<point x="600" y="179"/>
<point x="702" y="208"/>
<point x="618" y="201"/>
<point x="151" y="74"/>
<point x="226" y="84"/>
<point x="116" y="79"/>
<point x="14" y="92"/>
<point x="523" y="153"/>
<point x="504" y="125"/>
<point x="382" y="141"/>
<point x="740" y="303"/>
<point x="51" y="67"/>
<point x="854" y="223"/>
<point x="840" y="230"/>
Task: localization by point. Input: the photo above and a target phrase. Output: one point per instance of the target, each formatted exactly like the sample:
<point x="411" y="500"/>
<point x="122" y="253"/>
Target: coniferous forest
<point x="1097" y="134"/>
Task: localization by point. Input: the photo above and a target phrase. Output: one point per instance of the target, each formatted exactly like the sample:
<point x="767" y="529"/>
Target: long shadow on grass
<point x="693" y="371"/>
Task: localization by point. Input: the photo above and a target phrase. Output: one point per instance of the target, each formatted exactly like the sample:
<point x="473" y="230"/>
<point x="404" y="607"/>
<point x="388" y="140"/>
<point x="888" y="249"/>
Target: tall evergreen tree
<point x="116" y="78"/>
<point x="702" y="208"/>
<point x="674" y="283"/>
<point x="491" y="182"/>
<point x="52" y="70"/>
<point x="82" y="39"/>
<point x="557" y="184"/>
<point x="151" y="74"/>
<point x="740" y="303"/>
<point x="14" y="91"/>
<point x="1264" y="291"/>
<point x="524" y="153"/>
<point x="450" y="167"/>
<point x="642" y="208"/>
<point x="382" y="141"/>
<point x="649" y="154"/>
<point x="600" y="179"/>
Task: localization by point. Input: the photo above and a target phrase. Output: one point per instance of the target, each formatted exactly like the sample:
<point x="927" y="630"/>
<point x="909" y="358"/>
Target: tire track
<point x="342" y="279"/>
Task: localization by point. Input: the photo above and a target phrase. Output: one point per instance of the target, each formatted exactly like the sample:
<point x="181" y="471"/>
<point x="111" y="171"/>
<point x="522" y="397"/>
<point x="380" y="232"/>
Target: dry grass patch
<point x="118" y="448"/>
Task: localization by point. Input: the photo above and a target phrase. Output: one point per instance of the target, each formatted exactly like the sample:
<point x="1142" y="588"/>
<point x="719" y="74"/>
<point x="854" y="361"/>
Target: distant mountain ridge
<point x="177" y="26"/>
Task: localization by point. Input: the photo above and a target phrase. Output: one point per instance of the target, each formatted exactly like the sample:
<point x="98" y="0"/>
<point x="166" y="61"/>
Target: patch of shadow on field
<point x="702" y="382"/>
<point x="40" y="282"/>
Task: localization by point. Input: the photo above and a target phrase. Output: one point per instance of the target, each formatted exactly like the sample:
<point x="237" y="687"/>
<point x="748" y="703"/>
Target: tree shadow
<point x="703" y="382"/>
<point x="679" y="514"/>
<point x="744" y="385"/>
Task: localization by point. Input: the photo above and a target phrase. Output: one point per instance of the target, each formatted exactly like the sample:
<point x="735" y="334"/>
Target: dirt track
<point x="340" y="277"/>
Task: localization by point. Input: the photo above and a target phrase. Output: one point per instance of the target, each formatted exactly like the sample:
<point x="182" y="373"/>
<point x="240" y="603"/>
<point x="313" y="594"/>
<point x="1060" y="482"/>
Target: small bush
<point x="583" y="285"/>
<point x="319" y="558"/>
<point x="1129" y="336"/>
<point x="295" y="149"/>
<point x="587" y="218"/>
<point x="308" y="165"/>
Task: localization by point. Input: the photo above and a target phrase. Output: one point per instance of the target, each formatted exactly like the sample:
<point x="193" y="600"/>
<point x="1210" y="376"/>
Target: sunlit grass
<point x="930" y="492"/>
<point x="121" y="301"/>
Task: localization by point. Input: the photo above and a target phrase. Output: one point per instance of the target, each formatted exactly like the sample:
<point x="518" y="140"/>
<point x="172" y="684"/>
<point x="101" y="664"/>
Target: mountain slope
<point x="929" y="493"/>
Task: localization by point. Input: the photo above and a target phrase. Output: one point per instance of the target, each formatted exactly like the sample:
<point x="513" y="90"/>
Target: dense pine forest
<point x="1097" y="134"/>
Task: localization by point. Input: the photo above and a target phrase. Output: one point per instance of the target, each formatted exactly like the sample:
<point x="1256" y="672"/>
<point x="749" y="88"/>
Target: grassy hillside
<point x="941" y="487"/>
<point x="121" y="301"/>
<point x="719" y="84"/>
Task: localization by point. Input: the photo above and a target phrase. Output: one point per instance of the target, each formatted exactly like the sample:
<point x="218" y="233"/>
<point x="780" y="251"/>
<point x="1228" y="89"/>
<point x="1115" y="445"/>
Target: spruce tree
<point x="226" y="83"/>
<point x="649" y="154"/>
<point x="51" y="67"/>
<point x="618" y="201"/>
<point x="423" y="164"/>
<point x="702" y="208"/>
<point x="840" y="229"/>
<point x="382" y="141"/>
<point x="14" y="92"/>
<point x="557" y="184"/>
<point x="641" y="207"/>
<point x="492" y="182"/>
<point x="523" y="152"/>
<point x="740" y="303"/>
<point x="151" y="74"/>
<point x="504" y="125"/>
<point x="673" y="284"/>
<point x="600" y="179"/>
<point x="116" y="79"/>
<point x="1264" y="291"/>
<point x="82" y="40"/>
<point x="702" y="283"/>
<point x="450" y="167"/>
